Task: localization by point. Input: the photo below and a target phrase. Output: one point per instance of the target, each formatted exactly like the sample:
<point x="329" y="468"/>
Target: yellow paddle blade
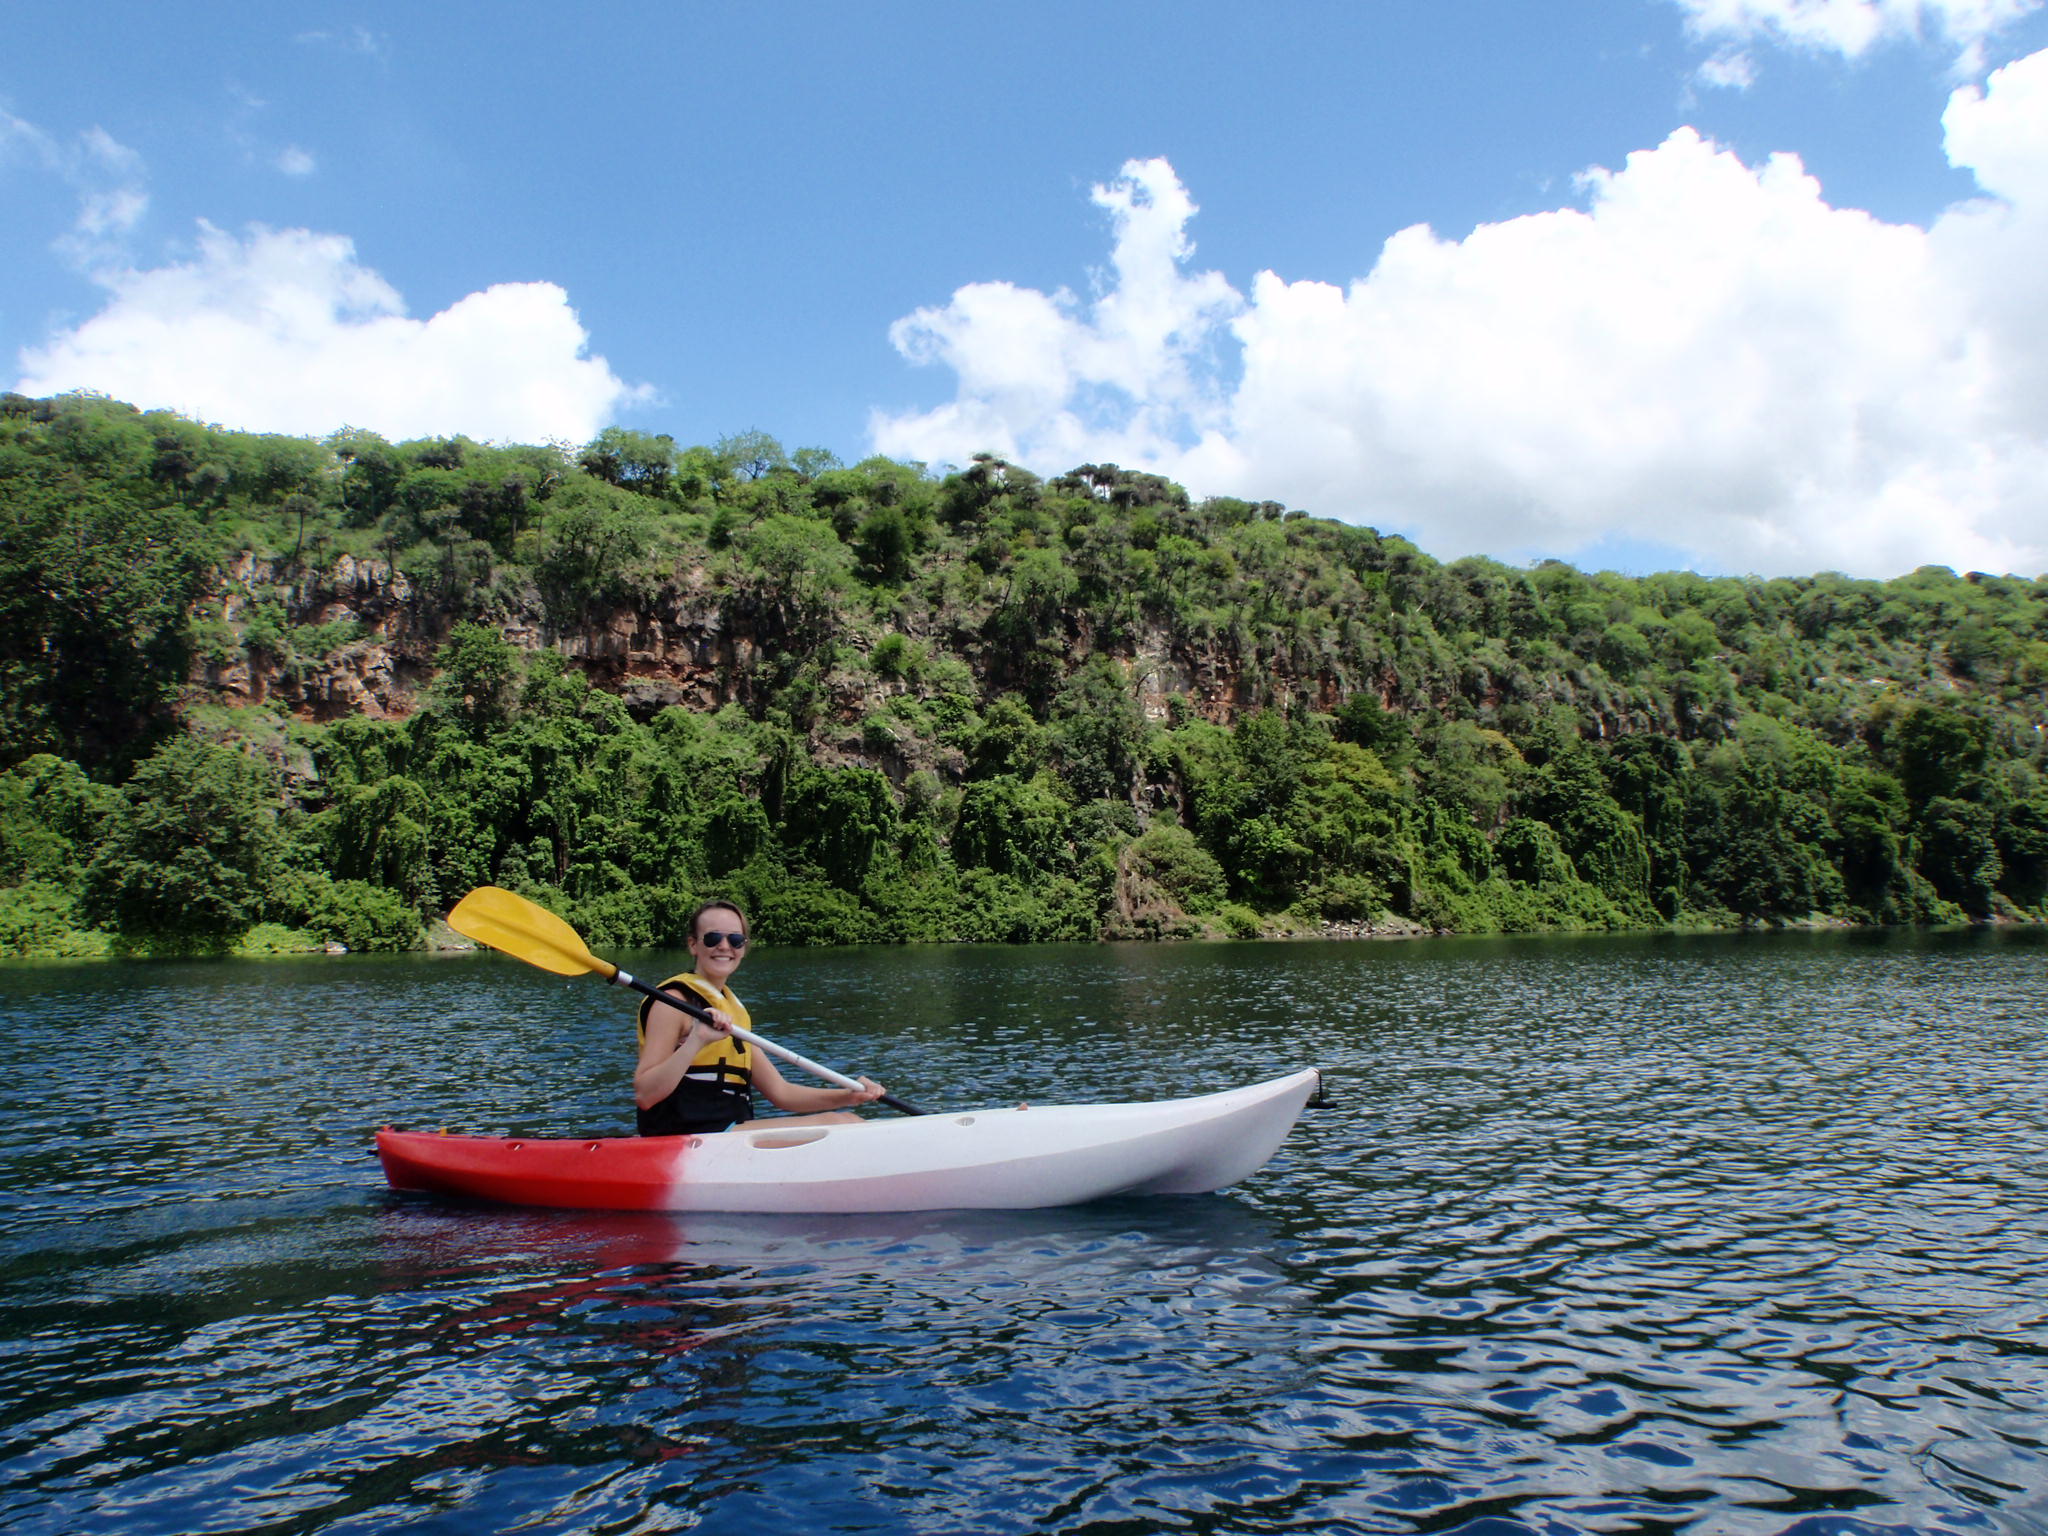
<point x="497" y="917"/>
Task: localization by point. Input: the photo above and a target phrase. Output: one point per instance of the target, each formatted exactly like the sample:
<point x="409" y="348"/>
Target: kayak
<point x="990" y="1159"/>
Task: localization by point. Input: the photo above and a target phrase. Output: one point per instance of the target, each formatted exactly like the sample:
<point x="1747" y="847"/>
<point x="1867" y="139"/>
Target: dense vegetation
<point x="976" y="705"/>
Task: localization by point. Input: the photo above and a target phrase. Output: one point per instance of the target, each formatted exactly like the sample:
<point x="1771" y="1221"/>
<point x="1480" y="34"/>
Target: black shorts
<point x="697" y="1128"/>
<point x="655" y="1123"/>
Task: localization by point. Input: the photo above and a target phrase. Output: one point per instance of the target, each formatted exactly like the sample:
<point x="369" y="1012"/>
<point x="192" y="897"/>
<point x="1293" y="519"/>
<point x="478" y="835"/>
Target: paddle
<point x="511" y="923"/>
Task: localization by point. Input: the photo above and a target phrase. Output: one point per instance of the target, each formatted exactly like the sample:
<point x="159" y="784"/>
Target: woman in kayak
<point x="695" y="1078"/>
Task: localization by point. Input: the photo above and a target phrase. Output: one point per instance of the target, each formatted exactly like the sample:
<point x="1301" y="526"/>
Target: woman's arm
<point x="672" y="1043"/>
<point x="783" y="1094"/>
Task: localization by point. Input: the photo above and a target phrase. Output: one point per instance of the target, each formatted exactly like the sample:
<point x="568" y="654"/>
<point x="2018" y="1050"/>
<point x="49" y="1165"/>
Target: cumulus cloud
<point x="1125" y="374"/>
<point x="1850" y="28"/>
<point x="1706" y="356"/>
<point x="285" y="331"/>
<point x="294" y="161"/>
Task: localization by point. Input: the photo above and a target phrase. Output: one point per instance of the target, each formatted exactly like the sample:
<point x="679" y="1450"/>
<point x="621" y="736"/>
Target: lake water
<point x="1722" y="1234"/>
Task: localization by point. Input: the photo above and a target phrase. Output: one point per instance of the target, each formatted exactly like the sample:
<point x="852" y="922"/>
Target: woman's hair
<point x="720" y="904"/>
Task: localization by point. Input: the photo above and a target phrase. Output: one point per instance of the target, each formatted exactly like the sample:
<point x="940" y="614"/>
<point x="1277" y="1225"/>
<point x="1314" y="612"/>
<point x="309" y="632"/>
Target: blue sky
<point x="522" y="222"/>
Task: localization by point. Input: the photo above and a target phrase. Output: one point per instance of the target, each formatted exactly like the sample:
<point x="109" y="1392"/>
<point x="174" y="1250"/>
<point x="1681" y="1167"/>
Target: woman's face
<point x="712" y="945"/>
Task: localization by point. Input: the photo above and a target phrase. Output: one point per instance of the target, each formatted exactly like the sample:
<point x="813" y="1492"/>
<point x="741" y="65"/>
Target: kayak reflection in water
<point x="693" y="1078"/>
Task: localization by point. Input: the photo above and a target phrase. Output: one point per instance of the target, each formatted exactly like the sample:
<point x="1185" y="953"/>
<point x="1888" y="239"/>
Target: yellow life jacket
<point x="719" y="1082"/>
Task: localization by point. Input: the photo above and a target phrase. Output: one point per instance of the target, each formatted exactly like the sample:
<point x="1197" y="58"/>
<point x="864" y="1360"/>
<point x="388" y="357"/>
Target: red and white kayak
<point x="989" y="1159"/>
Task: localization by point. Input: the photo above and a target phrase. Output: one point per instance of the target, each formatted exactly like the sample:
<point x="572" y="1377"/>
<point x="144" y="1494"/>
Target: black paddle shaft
<point x="702" y="1015"/>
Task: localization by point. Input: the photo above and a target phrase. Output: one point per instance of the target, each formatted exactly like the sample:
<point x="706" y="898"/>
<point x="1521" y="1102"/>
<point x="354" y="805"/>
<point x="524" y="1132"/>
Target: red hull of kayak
<point x="627" y="1173"/>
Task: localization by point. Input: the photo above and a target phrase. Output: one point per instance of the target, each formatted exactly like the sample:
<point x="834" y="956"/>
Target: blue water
<point x="1713" y="1234"/>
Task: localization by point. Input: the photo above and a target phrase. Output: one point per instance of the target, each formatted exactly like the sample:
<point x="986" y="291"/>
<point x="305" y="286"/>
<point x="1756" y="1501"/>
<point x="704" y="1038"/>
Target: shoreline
<point x="94" y="947"/>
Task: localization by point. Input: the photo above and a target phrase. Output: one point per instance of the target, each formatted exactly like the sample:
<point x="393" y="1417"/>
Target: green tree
<point x="95" y="589"/>
<point x="1569" y="793"/>
<point x="1244" y="801"/>
<point x="885" y="546"/>
<point x="371" y="472"/>
<point x="479" y="674"/>
<point x="1872" y="846"/>
<point x="1959" y="853"/>
<point x="594" y="533"/>
<point x="1006" y="740"/>
<point x="381" y="837"/>
<point x="736" y="832"/>
<point x="1169" y="855"/>
<point x="50" y="815"/>
<point x="2023" y="849"/>
<point x="365" y="918"/>
<point x="795" y="568"/>
<point x="634" y="461"/>
<point x="751" y="455"/>
<point x="1528" y="851"/>
<point x="1757" y="830"/>
<point x="840" y="820"/>
<point x="1646" y="775"/>
<point x="1364" y="720"/>
<point x="1939" y="753"/>
<point x="1098" y="731"/>
<point x="192" y="849"/>
<point x="1011" y="826"/>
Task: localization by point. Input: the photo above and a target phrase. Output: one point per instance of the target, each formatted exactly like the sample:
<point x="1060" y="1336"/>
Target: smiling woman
<point x="694" y="1077"/>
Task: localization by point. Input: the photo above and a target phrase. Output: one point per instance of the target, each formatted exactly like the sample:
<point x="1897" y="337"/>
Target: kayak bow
<point x="998" y="1159"/>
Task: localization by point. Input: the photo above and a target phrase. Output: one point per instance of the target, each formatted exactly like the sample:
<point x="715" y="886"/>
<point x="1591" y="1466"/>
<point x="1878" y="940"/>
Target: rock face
<point x="377" y="674"/>
<point x="678" y="648"/>
<point x="688" y="643"/>
<point x="364" y="679"/>
<point x="1210" y="682"/>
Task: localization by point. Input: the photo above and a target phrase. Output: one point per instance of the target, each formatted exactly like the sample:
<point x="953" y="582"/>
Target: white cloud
<point x="1708" y="356"/>
<point x="284" y="331"/>
<point x="108" y="176"/>
<point x="18" y="135"/>
<point x="357" y="39"/>
<point x="294" y="161"/>
<point x="1850" y="28"/>
<point x="1730" y="71"/>
<point x="1130" y="370"/>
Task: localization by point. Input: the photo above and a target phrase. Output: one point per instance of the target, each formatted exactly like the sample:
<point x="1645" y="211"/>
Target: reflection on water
<point x="1729" y="1234"/>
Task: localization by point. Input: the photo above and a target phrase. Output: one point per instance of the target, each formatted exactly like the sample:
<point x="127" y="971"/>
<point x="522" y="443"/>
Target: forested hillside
<point x="265" y="692"/>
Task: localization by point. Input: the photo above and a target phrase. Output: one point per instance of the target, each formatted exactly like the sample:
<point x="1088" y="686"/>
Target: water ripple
<point x="1729" y="1235"/>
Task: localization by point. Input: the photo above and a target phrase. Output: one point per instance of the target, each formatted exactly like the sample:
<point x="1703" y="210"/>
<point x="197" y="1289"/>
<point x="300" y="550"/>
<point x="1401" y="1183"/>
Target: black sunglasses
<point x="736" y="940"/>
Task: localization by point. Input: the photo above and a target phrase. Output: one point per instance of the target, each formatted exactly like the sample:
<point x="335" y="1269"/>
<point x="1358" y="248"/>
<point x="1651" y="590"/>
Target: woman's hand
<point x="868" y="1091"/>
<point x="716" y="1025"/>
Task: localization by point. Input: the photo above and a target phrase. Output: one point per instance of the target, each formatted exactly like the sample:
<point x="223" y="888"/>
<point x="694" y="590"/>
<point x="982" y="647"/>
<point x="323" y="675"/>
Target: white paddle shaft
<point x="794" y="1058"/>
